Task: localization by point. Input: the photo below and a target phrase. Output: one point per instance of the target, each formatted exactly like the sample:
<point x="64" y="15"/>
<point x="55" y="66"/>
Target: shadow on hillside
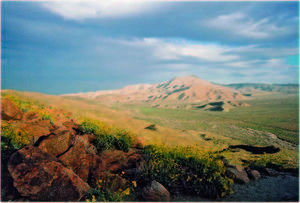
<point x="256" y="150"/>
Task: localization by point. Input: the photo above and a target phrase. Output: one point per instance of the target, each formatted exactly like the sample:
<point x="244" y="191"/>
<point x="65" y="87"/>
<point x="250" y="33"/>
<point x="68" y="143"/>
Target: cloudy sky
<point x="79" y="46"/>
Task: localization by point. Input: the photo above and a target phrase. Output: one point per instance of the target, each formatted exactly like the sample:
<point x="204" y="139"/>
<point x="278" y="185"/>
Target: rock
<point x="253" y="174"/>
<point x="240" y="175"/>
<point x="117" y="161"/>
<point x="71" y="125"/>
<point x="96" y="169"/>
<point x="155" y="192"/>
<point x="271" y="172"/>
<point x="80" y="162"/>
<point x="31" y="117"/>
<point x="59" y="128"/>
<point x="39" y="176"/>
<point x="36" y="129"/>
<point x="86" y="141"/>
<point x="9" y="111"/>
<point x="57" y="144"/>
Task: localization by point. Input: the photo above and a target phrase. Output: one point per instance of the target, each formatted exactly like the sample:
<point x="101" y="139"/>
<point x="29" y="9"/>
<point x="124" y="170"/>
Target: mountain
<point x="262" y="87"/>
<point x="179" y="89"/>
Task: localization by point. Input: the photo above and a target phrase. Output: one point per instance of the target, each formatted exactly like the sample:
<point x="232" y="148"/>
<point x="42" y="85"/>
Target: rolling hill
<point x="262" y="87"/>
<point x="179" y="89"/>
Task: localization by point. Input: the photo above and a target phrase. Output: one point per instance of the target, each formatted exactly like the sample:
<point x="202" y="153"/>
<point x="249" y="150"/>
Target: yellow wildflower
<point x="93" y="198"/>
<point x="134" y="183"/>
<point x="126" y="192"/>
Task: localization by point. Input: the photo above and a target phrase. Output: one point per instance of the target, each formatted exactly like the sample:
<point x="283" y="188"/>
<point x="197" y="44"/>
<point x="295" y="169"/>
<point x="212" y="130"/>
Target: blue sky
<point x="79" y="46"/>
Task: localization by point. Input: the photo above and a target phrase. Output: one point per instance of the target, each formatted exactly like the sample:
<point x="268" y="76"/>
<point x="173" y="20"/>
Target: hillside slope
<point x="262" y="87"/>
<point x="179" y="89"/>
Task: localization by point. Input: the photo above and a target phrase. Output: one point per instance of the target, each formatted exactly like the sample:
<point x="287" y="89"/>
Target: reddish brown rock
<point x="155" y="192"/>
<point x="80" y="162"/>
<point x="39" y="176"/>
<point x="36" y="129"/>
<point x="116" y="160"/>
<point x="86" y="141"/>
<point x="57" y="144"/>
<point x="71" y="125"/>
<point x="31" y="117"/>
<point x="9" y="111"/>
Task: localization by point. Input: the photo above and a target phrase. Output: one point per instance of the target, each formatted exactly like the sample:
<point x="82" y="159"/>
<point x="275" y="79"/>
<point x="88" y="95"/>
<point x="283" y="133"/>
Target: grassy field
<point x="250" y="125"/>
<point x="213" y="131"/>
<point x="187" y="148"/>
<point x="278" y="115"/>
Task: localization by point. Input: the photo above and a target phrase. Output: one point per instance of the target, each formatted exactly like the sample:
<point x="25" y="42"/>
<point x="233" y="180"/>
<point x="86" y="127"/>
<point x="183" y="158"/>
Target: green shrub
<point x="96" y="195"/>
<point x="11" y="141"/>
<point x="112" y="188"/>
<point x="95" y="127"/>
<point x="47" y="116"/>
<point x="12" y="138"/>
<point x="186" y="170"/>
<point x="105" y="142"/>
<point x="108" y="137"/>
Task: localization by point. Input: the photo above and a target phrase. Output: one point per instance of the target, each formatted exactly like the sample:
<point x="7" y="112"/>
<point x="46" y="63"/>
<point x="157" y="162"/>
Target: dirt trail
<point x="280" y="188"/>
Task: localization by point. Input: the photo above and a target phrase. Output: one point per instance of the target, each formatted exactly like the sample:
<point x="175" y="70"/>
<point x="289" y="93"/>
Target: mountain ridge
<point x="183" y="88"/>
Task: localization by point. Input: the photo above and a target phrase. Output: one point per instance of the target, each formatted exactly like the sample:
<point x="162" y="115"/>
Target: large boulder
<point x="35" y="130"/>
<point x="80" y="161"/>
<point x="239" y="173"/>
<point x="39" y="176"/>
<point x="155" y="192"/>
<point x="57" y="144"/>
<point x="9" y="111"/>
<point x="253" y="174"/>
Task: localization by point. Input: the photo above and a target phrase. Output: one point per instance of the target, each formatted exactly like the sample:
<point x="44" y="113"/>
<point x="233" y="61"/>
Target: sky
<point x="58" y="47"/>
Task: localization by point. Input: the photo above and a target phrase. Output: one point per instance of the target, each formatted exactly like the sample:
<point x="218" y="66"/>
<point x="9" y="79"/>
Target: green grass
<point x="279" y="116"/>
<point x="187" y="170"/>
<point x="191" y="170"/>
<point x="108" y="137"/>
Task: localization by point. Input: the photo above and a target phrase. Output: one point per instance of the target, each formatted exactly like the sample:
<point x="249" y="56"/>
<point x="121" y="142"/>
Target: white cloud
<point x="165" y="49"/>
<point x="82" y="9"/>
<point x="243" y="25"/>
<point x="244" y="64"/>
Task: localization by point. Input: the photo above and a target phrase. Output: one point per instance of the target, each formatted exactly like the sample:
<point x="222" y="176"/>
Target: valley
<point x="257" y="131"/>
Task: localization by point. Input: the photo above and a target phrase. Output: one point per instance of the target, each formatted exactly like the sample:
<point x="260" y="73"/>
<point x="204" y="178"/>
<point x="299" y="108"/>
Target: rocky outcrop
<point x="9" y="111"/>
<point x="155" y="192"/>
<point x="61" y="163"/>
<point x="39" y="176"/>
